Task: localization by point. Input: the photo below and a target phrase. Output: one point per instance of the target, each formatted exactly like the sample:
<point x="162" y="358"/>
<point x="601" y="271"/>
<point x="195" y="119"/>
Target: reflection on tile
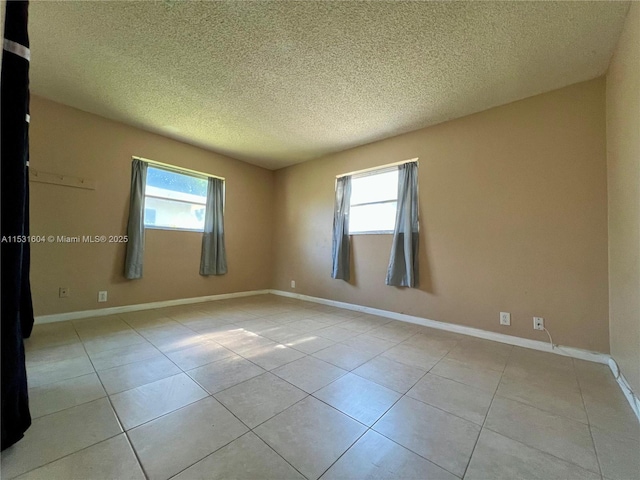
<point x="260" y="398"/>
<point x="309" y="373"/>
<point x="559" y="436"/>
<point x="310" y="435"/>
<point x="112" y="341"/>
<point x="618" y="455"/>
<point x="257" y="325"/>
<point x="390" y="374"/>
<point x="500" y="458"/>
<point x="335" y="333"/>
<point x="123" y="355"/>
<point x="220" y="375"/>
<point x="111" y="458"/>
<point x="133" y="375"/>
<point x="359" y="398"/>
<point x="344" y="356"/>
<point x="54" y="436"/>
<point x="50" y="335"/>
<point x="44" y="373"/>
<point x="272" y="356"/>
<point x="369" y="344"/>
<point x="163" y="447"/>
<point x="172" y="336"/>
<point x="201" y="354"/>
<point x="248" y="457"/>
<point x="440" y="437"/>
<point x="307" y="343"/>
<point x="464" y="401"/>
<point x="374" y="456"/>
<point x="41" y="356"/>
<point x="54" y="397"/>
<point x="137" y="406"/>
<point x="307" y="325"/>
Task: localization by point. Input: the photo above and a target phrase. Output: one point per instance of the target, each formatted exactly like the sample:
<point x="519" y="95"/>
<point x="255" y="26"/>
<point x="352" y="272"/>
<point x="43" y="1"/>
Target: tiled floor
<point x="271" y="388"/>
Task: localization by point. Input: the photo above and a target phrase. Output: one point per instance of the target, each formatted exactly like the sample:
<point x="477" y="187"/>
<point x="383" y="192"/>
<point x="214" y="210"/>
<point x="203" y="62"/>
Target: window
<point x="374" y="199"/>
<point x="174" y="200"/>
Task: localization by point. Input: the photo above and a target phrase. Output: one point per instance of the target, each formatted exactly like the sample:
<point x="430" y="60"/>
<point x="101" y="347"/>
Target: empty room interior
<point x="336" y="240"/>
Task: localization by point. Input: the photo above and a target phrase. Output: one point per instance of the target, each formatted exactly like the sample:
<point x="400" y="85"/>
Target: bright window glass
<point x="373" y="202"/>
<point x="174" y="200"/>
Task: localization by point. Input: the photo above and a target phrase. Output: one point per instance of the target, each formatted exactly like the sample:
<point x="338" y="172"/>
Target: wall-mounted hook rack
<point x="63" y="180"/>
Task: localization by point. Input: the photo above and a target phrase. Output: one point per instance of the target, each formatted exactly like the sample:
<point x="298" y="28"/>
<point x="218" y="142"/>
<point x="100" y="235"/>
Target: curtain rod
<point x="380" y="167"/>
<point x="178" y="169"/>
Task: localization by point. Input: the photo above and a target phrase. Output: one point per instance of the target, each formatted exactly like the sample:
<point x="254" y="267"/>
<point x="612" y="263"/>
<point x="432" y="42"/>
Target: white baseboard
<point x="451" y="327"/>
<point x="101" y="312"/>
<point x="631" y="397"/>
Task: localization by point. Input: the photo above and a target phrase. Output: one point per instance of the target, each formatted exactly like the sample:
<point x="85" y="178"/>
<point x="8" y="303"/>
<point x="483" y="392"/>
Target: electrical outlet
<point x="505" y="318"/>
<point x="102" y="296"/>
<point x="293" y="284"/>
<point x="538" y="323"/>
<point x="64" y="292"/>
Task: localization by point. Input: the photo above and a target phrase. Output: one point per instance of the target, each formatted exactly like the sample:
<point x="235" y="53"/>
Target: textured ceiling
<point x="277" y="83"/>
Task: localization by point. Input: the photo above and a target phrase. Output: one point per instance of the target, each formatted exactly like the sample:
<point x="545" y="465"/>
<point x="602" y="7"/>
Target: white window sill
<point x="376" y="232"/>
<point x="149" y="227"/>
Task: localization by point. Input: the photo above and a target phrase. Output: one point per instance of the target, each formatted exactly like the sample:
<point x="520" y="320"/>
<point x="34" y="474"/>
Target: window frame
<point x="389" y="167"/>
<point x="368" y="173"/>
<point x="188" y="173"/>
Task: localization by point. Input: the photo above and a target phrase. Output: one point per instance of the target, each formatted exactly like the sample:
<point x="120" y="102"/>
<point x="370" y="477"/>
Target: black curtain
<point x="17" y="311"/>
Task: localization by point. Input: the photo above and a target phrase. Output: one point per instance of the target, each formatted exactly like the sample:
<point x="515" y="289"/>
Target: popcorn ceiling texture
<point x="278" y="83"/>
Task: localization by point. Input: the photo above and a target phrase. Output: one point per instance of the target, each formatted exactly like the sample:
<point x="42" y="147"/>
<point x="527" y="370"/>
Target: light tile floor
<point x="272" y="388"/>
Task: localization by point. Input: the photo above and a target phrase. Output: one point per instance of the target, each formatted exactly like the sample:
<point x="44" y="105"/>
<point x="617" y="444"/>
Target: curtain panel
<point x="17" y="309"/>
<point x="403" y="263"/>
<point x="135" y="226"/>
<point x="340" y="254"/>
<point x="213" y="260"/>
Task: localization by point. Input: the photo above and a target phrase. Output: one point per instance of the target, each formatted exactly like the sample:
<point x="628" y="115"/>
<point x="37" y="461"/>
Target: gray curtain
<point x="213" y="260"/>
<point x="403" y="264"/>
<point x="340" y="249"/>
<point x="135" y="227"/>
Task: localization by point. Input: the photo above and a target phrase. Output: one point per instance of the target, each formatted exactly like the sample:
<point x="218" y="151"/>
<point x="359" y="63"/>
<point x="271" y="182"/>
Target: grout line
<point x="290" y="308"/>
<point x="402" y="395"/>
<point x="247" y="426"/>
<point x="564" y="460"/>
<point x="584" y="405"/>
<point x="415" y="453"/>
<point x="115" y="413"/>
<point x="68" y="454"/>
<point x="482" y="427"/>
<point x="77" y="405"/>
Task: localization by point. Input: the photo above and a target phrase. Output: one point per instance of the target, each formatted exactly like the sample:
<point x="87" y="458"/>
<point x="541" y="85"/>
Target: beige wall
<point x="513" y="212"/>
<point x="67" y="141"/>
<point x="623" y="158"/>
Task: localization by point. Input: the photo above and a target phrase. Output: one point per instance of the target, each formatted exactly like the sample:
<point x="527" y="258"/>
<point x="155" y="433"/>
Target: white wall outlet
<point x="538" y="323"/>
<point x="64" y="292"/>
<point x="102" y="296"/>
<point x="293" y="284"/>
<point x="505" y="318"/>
